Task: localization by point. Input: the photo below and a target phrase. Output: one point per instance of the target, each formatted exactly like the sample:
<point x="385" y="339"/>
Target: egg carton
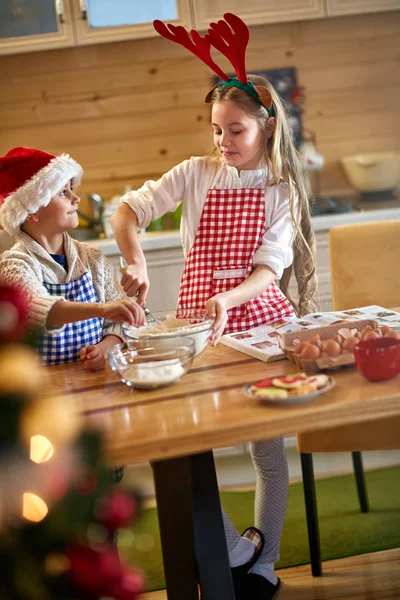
<point x="324" y="362"/>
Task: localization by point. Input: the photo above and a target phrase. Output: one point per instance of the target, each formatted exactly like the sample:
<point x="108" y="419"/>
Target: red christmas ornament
<point x="93" y="571"/>
<point x="14" y="306"/>
<point x="56" y="486"/>
<point x="88" y="484"/>
<point x="130" y="585"/>
<point x="116" y="510"/>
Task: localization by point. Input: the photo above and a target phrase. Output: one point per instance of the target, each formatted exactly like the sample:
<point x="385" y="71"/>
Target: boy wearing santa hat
<point x="74" y="298"/>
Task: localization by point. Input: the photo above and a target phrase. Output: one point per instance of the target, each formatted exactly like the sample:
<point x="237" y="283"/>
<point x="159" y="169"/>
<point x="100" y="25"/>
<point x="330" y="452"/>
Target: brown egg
<point x="332" y="348"/>
<point x="299" y="347"/>
<point x="371" y="335"/>
<point x="349" y="343"/>
<point x="365" y="331"/>
<point x="310" y="351"/>
<point x="393" y="334"/>
<point x="385" y="329"/>
<point x="316" y="340"/>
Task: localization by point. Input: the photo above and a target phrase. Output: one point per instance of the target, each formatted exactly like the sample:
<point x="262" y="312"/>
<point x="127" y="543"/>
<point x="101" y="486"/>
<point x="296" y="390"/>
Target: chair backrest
<point x="365" y="264"/>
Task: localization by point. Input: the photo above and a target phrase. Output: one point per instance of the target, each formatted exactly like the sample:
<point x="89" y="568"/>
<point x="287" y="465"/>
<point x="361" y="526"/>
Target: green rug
<point x="344" y="530"/>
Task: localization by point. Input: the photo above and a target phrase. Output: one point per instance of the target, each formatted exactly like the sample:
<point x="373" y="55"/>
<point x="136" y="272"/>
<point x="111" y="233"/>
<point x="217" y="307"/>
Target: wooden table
<point x="177" y="426"/>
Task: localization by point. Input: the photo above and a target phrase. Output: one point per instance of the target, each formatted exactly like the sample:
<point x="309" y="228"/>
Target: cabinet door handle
<point x="60" y="10"/>
<point x="82" y="6"/>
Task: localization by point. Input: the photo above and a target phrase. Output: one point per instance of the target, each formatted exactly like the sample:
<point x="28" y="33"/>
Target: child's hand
<point x="217" y="305"/>
<point x="93" y="357"/>
<point x="125" y="309"/>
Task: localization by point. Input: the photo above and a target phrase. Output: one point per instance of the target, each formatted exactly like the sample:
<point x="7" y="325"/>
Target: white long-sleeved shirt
<point x="28" y="265"/>
<point x="189" y="183"/>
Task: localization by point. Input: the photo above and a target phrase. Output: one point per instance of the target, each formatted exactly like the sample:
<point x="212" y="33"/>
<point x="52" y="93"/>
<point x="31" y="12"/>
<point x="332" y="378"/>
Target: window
<point x="27" y="17"/>
<point x="106" y="13"/>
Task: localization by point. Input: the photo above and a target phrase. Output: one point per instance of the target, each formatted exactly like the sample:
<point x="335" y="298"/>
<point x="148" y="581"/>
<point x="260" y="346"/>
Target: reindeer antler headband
<point x="230" y="37"/>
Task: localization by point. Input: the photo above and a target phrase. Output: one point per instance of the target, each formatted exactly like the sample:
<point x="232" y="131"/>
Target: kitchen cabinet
<point x="351" y="7"/>
<point x="323" y="271"/>
<point x="164" y="268"/>
<point x="29" y="25"/>
<point x="99" y="21"/>
<point x="257" y="12"/>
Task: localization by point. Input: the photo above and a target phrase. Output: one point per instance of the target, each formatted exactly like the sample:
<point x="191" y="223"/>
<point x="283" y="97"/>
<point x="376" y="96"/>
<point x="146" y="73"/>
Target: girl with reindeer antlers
<point x="245" y="224"/>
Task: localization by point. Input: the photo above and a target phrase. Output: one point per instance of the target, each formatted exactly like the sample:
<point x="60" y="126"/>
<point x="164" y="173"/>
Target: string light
<point x="41" y="449"/>
<point x="33" y="508"/>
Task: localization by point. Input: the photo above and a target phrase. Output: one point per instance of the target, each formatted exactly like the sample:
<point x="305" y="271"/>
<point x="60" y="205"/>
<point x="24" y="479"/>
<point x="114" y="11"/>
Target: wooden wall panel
<point x="128" y="111"/>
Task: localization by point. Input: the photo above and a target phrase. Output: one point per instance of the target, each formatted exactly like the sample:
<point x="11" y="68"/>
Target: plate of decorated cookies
<point x="297" y="387"/>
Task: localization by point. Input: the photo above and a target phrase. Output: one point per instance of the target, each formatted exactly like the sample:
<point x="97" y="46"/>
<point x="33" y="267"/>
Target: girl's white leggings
<point x="272" y="485"/>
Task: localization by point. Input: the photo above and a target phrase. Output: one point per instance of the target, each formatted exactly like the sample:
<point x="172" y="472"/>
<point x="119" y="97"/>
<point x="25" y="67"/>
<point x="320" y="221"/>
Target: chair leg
<point x="360" y="481"/>
<point x="311" y="513"/>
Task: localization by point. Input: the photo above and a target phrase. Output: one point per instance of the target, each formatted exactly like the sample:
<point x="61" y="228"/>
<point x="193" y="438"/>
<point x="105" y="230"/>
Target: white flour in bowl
<point x="170" y="326"/>
<point x="154" y="372"/>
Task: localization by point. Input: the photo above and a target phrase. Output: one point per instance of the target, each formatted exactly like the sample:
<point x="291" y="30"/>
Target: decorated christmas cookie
<point x="318" y="380"/>
<point x="272" y="393"/>
<point x="290" y="381"/>
<point x="297" y="386"/>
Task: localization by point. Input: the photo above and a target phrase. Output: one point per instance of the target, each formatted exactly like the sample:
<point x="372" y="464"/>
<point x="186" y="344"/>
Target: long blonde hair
<point x="284" y="163"/>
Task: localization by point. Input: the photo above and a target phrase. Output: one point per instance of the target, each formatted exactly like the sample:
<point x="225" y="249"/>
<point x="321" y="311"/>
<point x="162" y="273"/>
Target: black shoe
<point x="116" y="474"/>
<point x="255" y="587"/>
<point x="257" y="538"/>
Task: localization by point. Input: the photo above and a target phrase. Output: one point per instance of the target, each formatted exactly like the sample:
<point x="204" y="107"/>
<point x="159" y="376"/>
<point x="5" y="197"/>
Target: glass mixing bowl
<point x="178" y="325"/>
<point x="149" y="364"/>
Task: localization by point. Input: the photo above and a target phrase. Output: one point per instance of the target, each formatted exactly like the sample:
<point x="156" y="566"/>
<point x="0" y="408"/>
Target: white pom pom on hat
<point x="29" y="179"/>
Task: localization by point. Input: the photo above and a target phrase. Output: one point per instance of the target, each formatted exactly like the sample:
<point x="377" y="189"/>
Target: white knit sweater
<point x="28" y="265"/>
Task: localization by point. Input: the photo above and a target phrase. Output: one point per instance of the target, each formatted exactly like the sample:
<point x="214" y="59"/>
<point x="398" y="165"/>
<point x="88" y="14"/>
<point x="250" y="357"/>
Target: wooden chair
<point x="365" y="260"/>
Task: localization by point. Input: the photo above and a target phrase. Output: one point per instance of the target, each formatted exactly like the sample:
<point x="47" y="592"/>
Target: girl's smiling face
<point x="237" y="136"/>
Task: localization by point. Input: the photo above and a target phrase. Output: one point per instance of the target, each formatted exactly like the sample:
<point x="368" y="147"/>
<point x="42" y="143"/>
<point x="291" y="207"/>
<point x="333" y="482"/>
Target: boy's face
<point x="61" y="213"/>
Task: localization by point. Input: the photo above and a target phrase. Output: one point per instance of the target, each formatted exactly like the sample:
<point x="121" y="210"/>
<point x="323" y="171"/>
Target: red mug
<point x="378" y="359"/>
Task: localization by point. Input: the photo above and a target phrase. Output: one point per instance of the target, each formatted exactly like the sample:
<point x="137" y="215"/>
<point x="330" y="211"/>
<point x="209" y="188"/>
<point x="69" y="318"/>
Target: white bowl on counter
<point x="182" y="325"/>
<point x="374" y="171"/>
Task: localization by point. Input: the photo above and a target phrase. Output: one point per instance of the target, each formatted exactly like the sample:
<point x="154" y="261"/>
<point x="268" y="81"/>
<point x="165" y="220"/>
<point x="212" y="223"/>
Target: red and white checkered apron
<point x="231" y="228"/>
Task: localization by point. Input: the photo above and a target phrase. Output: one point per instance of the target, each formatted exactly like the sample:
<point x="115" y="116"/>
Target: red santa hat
<point x="29" y="179"/>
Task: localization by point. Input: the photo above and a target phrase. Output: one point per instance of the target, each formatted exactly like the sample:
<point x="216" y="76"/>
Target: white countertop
<point x="149" y="240"/>
<point x="164" y="240"/>
<point x="325" y="222"/>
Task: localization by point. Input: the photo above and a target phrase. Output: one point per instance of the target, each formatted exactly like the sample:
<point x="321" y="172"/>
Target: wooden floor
<point x="373" y="576"/>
